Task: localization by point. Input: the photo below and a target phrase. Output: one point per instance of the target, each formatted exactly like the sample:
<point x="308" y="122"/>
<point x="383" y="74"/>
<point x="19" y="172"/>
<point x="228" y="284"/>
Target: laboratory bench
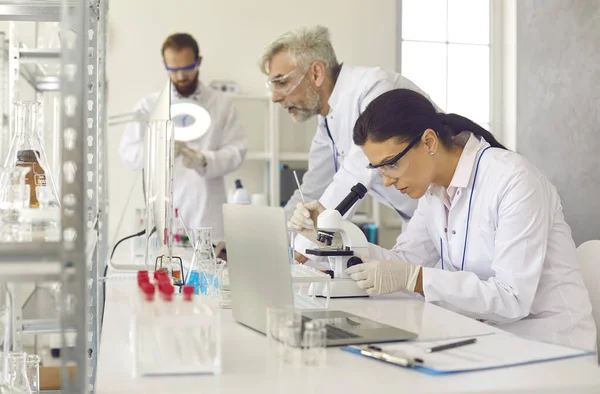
<point x="247" y="369"/>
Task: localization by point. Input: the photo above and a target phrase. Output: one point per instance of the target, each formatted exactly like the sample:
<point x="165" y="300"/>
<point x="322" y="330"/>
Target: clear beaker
<point x="204" y="270"/>
<point x="17" y="372"/>
<point x="314" y="343"/>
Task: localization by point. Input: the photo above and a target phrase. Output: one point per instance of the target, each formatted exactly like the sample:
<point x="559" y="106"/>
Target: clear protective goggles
<point x="283" y="84"/>
<point x="187" y="71"/>
<point x="395" y="167"/>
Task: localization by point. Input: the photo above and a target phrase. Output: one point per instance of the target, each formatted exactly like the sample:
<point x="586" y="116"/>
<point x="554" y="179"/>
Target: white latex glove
<point x="179" y="145"/>
<point x="305" y="218"/>
<point x="384" y="277"/>
<point x="193" y="158"/>
<point x="304" y="222"/>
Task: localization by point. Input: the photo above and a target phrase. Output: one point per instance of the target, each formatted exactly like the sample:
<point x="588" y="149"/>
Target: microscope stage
<point x="324" y="252"/>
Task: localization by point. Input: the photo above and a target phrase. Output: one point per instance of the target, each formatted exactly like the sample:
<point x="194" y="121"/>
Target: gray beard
<point x="313" y="108"/>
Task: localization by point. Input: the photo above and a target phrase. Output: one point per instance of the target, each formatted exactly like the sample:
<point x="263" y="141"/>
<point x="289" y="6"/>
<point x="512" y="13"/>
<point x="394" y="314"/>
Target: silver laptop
<point x="260" y="278"/>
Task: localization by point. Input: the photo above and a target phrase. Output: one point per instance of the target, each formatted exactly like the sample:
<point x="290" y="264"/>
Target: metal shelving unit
<point x="74" y="261"/>
<point x="31" y="11"/>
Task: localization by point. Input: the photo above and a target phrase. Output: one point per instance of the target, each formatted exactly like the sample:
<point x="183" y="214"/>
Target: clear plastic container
<point x="176" y="335"/>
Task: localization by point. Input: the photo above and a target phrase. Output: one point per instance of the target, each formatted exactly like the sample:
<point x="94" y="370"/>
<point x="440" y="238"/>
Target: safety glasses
<point x="283" y="84"/>
<point x="397" y="165"/>
<point x="187" y="71"/>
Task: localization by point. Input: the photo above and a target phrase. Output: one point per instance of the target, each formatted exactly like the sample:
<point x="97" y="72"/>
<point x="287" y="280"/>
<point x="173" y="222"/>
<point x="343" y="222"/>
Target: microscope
<point x="355" y="243"/>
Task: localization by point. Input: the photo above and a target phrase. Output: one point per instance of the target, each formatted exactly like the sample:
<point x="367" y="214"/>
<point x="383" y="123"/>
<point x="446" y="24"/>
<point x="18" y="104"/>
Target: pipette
<point x="299" y="189"/>
<point x="186" y="231"/>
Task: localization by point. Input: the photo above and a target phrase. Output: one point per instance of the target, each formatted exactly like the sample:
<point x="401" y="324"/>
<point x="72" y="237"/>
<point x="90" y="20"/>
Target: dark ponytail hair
<point x="404" y="114"/>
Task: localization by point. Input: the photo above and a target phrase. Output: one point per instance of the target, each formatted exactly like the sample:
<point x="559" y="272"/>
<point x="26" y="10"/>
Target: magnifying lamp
<point x="190" y="120"/>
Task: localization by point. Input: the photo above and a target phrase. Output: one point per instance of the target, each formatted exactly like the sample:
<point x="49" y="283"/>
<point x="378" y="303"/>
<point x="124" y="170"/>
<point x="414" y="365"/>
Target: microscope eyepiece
<point x="357" y="192"/>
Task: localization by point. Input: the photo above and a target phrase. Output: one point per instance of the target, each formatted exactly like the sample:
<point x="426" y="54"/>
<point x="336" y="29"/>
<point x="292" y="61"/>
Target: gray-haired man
<point x="307" y="80"/>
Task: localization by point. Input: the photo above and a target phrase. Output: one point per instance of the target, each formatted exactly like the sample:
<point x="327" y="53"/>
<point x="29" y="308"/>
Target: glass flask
<point x="204" y="271"/>
<point x="27" y="151"/>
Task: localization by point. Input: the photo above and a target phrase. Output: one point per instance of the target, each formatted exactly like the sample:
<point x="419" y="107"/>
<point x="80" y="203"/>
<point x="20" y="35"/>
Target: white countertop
<point x="246" y="370"/>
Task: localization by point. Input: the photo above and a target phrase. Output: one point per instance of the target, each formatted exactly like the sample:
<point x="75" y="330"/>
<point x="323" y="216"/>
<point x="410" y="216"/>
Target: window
<point x="446" y="52"/>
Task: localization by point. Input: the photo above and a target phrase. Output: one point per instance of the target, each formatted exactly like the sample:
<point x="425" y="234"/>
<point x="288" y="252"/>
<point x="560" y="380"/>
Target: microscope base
<point x="338" y="288"/>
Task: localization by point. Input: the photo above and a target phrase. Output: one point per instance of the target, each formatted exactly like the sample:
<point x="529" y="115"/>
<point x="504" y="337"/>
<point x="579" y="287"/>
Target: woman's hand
<point x="384" y="277"/>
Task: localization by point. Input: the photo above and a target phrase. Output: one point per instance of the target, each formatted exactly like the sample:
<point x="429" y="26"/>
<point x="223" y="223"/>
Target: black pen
<point x="451" y="345"/>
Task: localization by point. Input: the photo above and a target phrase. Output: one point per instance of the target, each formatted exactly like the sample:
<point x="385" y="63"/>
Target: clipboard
<point x="491" y="351"/>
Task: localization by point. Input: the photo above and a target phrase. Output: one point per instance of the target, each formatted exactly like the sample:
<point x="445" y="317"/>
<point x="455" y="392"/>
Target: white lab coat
<point x="198" y="193"/>
<point x="354" y="90"/>
<point x="520" y="270"/>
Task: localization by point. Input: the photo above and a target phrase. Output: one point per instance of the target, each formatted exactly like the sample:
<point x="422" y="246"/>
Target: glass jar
<point x="32" y="366"/>
<point x="36" y="177"/>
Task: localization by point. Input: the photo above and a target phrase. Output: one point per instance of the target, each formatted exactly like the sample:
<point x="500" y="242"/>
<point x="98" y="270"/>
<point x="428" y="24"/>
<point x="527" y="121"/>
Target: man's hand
<point x="193" y="158"/>
<point x="384" y="277"/>
<point x="179" y="145"/>
<point x="299" y="257"/>
<point x="221" y="251"/>
<point x="305" y="218"/>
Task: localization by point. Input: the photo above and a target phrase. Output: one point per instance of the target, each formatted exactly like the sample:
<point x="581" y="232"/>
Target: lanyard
<point x="462" y="266"/>
<point x="335" y="151"/>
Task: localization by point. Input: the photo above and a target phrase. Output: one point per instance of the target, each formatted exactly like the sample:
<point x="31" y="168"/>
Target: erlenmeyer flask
<point x="27" y="150"/>
<point x="204" y="271"/>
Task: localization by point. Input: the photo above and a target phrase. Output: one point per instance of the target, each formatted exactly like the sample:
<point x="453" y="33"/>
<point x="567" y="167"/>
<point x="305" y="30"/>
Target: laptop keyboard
<point x="334" y="332"/>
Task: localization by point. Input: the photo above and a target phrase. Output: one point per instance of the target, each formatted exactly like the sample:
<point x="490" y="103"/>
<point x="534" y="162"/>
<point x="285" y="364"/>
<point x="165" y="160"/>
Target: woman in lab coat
<point x="488" y="239"/>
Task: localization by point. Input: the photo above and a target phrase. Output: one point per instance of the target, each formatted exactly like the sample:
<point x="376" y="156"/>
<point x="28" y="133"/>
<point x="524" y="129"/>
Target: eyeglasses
<point x="397" y="165"/>
<point x="282" y="84"/>
<point x="186" y="71"/>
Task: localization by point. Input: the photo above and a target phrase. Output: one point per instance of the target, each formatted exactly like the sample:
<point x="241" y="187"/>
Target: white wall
<point x="232" y="35"/>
